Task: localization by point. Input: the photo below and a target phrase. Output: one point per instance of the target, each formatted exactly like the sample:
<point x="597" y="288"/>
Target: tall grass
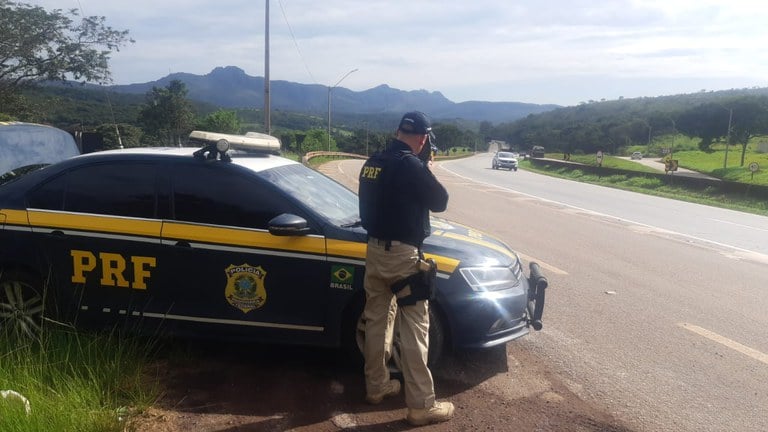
<point x="654" y="186"/>
<point x="74" y="381"/>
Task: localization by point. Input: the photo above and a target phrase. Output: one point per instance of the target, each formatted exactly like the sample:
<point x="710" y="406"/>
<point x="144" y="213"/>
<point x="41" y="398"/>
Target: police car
<point x="226" y="243"/>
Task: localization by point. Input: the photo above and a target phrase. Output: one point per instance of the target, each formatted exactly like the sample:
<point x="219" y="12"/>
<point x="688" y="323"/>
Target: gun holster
<point x="418" y="286"/>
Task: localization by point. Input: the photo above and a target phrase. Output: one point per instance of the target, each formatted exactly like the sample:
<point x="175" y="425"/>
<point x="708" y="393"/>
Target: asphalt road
<point x="657" y="308"/>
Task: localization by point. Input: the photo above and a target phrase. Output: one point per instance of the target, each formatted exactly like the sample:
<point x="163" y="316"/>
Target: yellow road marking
<point x="751" y="352"/>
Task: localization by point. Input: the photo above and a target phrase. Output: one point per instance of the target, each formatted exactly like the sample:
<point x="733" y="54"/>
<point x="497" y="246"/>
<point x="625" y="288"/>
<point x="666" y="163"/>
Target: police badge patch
<point x="245" y="287"/>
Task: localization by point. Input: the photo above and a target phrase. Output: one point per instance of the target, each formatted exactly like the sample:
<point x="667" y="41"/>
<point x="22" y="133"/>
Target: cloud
<point x="478" y="50"/>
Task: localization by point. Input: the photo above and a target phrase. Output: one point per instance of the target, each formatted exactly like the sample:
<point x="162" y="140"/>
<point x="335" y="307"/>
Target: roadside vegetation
<point x="705" y="162"/>
<point x="70" y="381"/>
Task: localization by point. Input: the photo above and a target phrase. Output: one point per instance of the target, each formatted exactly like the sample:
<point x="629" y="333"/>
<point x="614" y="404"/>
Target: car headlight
<point x="489" y="278"/>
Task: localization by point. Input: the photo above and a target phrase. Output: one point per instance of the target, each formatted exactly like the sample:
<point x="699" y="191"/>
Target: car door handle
<point x="183" y="243"/>
<point x="56" y="233"/>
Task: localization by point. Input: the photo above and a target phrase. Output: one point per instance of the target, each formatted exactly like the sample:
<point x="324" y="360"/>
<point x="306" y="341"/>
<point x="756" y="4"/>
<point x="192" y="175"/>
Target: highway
<point x="656" y="310"/>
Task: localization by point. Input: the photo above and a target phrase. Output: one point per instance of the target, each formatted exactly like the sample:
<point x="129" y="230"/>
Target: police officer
<point x="397" y="191"/>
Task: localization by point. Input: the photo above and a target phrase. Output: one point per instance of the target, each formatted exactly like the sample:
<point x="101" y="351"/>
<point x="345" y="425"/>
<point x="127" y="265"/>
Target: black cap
<point x="415" y="122"/>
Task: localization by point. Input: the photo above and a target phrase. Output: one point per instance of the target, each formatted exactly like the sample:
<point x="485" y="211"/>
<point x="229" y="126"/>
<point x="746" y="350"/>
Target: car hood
<point x="467" y="245"/>
<point x="451" y="244"/>
<point x="508" y="159"/>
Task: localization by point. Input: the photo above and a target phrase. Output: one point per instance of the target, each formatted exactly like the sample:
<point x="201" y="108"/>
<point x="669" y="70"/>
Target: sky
<point x="562" y="52"/>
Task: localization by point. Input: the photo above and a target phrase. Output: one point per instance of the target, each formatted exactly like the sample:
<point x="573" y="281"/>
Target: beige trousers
<point x="382" y="269"/>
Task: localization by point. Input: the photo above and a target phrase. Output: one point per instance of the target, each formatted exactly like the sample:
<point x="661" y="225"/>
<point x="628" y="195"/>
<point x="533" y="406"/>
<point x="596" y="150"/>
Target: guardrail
<point x="305" y="159"/>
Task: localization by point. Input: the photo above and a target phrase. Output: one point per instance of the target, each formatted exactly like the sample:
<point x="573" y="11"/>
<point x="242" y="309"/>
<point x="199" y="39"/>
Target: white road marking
<point x="751" y="352"/>
<point x="742" y="253"/>
<point x="739" y="225"/>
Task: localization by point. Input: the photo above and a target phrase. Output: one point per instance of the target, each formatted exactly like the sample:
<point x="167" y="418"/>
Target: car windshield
<point x="505" y="155"/>
<point x="27" y="144"/>
<point x="324" y="196"/>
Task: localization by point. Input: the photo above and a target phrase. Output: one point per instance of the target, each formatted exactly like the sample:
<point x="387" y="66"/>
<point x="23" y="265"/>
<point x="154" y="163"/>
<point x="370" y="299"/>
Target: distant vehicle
<point x="537" y="152"/>
<point x="28" y="146"/>
<point x="507" y="160"/>
<point x="636" y="155"/>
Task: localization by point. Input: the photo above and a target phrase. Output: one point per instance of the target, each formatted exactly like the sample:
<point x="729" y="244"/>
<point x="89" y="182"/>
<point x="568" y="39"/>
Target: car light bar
<point x="251" y="141"/>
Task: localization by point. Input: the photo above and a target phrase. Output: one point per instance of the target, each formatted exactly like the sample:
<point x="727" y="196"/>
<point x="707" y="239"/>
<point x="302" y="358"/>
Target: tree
<point x="167" y="117"/>
<point x="222" y="121"/>
<point x="130" y="136"/>
<point x="37" y="45"/>
<point x="750" y="119"/>
<point x="316" y="140"/>
<point x="706" y="121"/>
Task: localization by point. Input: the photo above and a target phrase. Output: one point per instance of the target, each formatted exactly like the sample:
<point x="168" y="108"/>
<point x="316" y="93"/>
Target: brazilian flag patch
<point x="342" y="277"/>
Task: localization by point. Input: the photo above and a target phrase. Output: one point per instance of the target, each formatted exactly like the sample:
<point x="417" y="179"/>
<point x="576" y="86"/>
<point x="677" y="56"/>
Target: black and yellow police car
<point x="228" y="244"/>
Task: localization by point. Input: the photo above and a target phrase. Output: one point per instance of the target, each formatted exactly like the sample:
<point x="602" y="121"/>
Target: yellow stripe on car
<point x="346" y="249"/>
<point x="15" y="217"/>
<point x="242" y="237"/>
<point x="106" y="224"/>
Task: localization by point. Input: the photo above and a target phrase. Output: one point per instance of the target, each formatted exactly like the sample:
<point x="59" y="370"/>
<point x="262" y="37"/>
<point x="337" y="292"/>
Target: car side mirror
<point x="288" y="224"/>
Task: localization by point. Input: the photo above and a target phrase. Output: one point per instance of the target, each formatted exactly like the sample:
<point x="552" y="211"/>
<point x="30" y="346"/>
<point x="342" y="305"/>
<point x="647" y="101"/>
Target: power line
<point x="106" y="93"/>
<point x="285" y="17"/>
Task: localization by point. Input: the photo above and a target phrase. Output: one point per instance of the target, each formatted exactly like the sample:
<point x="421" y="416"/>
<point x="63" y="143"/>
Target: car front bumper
<point x="486" y="319"/>
<point x="509" y="165"/>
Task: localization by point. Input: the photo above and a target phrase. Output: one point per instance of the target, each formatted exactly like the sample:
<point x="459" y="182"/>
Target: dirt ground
<point x="227" y="388"/>
<point x="265" y="388"/>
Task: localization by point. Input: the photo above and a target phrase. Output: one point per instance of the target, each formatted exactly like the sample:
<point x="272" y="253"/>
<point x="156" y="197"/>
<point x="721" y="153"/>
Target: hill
<point x="231" y="87"/>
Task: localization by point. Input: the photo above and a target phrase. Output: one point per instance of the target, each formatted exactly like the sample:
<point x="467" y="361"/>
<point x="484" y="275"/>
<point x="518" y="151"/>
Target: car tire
<point x="23" y="304"/>
<point x="353" y="332"/>
<point x="437" y="341"/>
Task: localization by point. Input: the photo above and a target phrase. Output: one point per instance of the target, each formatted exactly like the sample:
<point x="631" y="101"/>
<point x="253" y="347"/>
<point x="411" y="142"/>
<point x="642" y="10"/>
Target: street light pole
<point x="329" y="104"/>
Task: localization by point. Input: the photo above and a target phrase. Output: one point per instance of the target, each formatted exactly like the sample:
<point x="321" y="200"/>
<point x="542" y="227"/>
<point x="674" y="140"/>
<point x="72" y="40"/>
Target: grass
<point x="611" y="162"/>
<point x="712" y="164"/>
<point x="653" y="186"/>
<point x="74" y="381"/>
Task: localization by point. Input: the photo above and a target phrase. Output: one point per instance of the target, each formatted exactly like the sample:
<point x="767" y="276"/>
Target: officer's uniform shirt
<point x="397" y="192"/>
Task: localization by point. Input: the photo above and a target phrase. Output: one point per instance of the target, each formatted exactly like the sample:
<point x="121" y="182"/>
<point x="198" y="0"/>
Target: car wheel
<point x="22" y="304"/>
<point x="437" y="341"/>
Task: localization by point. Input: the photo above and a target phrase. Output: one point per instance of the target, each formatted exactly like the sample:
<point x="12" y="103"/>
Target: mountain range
<point x="230" y="87"/>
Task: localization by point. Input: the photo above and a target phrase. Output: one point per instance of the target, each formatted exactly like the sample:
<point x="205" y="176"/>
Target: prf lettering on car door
<point x="113" y="268"/>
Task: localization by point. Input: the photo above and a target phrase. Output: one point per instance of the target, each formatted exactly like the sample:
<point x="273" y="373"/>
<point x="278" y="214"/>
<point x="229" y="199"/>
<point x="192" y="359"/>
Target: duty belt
<point x="388" y="243"/>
